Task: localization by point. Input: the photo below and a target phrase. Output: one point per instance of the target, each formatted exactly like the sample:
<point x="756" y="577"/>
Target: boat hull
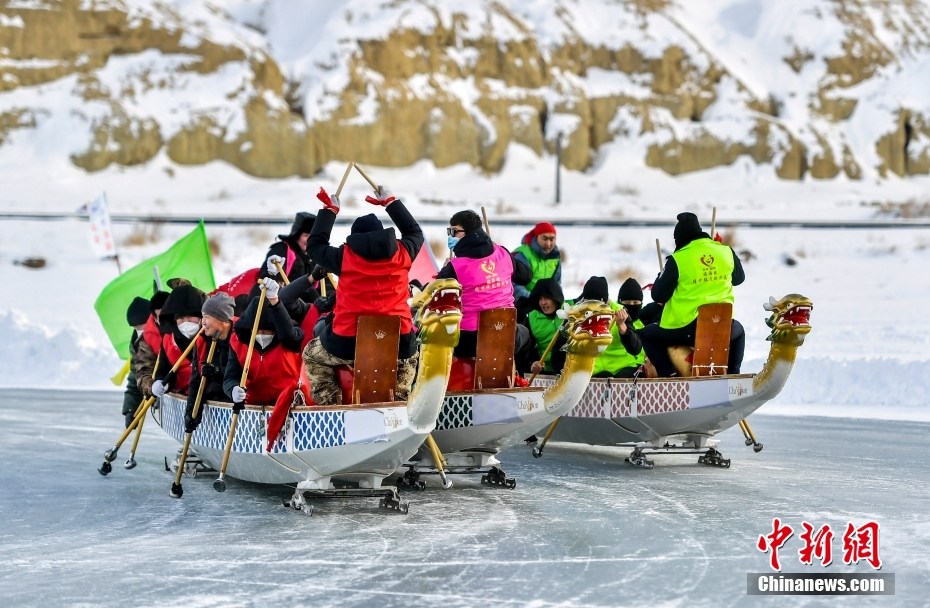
<point x="489" y="421"/>
<point x="362" y="444"/>
<point x="655" y="411"/>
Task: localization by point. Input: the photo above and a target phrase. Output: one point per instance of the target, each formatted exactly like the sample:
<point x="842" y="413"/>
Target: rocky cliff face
<point x="462" y="84"/>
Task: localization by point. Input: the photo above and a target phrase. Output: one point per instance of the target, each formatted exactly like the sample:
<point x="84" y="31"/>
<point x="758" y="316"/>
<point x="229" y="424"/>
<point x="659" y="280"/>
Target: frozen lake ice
<point x="580" y="529"/>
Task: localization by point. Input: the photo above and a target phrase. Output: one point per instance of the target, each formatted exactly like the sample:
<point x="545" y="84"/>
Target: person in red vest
<point x="373" y="268"/>
<point x="143" y="363"/>
<point x="180" y="321"/>
<point x="275" y="363"/>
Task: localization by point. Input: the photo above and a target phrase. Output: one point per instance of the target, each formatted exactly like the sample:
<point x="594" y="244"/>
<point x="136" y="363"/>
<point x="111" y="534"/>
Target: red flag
<point x="240" y="284"/>
<point x="424" y="267"/>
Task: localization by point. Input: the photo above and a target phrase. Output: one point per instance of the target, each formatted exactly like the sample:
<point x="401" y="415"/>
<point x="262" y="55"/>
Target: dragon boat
<point x="682" y="415"/>
<point x="484" y="413"/>
<point x="329" y="451"/>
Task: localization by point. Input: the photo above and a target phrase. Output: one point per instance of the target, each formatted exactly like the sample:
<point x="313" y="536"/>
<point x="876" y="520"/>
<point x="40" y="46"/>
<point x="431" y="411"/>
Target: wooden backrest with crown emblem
<point x="376" y="343"/>
<point x="494" y="352"/>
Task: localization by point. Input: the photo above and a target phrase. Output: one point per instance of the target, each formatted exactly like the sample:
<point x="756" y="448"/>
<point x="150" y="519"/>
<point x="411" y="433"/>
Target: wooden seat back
<point x="711" y="343"/>
<point x="712" y="340"/>
<point x="375" y="375"/>
<point x="494" y="352"/>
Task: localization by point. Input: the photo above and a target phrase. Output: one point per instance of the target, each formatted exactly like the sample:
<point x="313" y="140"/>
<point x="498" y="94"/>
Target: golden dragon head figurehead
<point x="587" y="326"/>
<point x="790" y="319"/>
<point x="439" y="312"/>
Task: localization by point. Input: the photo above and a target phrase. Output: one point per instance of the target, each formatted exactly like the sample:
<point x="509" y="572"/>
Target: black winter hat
<point x="185" y="301"/>
<point x="265" y="321"/>
<point x="549" y="288"/>
<point x="158" y="301"/>
<point x="630" y="290"/>
<point x="138" y="311"/>
<point x="595" y="289"/>
<point x="367" y="223"/>
<point x="687" y="229"/>
<point x="303" y="223"/>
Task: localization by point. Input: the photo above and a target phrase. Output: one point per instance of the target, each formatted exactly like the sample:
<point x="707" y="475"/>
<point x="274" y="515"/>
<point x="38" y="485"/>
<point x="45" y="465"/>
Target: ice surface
<point x="580" y="529"/>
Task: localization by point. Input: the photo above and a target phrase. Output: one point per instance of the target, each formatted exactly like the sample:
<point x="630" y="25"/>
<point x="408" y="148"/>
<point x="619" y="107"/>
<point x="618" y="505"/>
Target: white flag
<point x="101" y="236"/>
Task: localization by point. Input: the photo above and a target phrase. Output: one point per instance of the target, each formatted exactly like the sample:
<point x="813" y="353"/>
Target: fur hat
<point x="367" y="223"/>
<point x="630" y="290"/>
<point x="687" y="229"/>
<point x="138" y="311"/>
<point x="185" y="301"/>
<point x="303" y="223"/>
<point x="595" y="289"/>
<point x="220" y="306"/>
<point x="540" y="228"/>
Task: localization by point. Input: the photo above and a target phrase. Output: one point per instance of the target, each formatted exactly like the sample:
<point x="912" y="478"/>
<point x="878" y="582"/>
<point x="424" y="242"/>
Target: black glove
<point x="169" y="378"/>
<point x="326" y="304"/>
<point x="238" y="407"/>
<point x="318" y="274"/>
<point x="210" y="372"/>
<point x="191" y="424"/>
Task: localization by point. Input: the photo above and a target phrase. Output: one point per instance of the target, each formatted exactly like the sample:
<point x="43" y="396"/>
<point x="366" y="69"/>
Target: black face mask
<point x="633" y="310"/>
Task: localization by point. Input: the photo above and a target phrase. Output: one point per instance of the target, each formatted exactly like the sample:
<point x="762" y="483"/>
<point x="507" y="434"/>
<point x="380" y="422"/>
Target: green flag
<point x="189" y="258"/>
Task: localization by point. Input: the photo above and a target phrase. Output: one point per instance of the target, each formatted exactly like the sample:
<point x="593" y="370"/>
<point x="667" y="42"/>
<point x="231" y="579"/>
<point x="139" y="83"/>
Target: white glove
<point x="383" y="197"/>
<point x="271" y="287"/>
<point x="238" y="394"/>
<point x="159" y="388"/>
<point x="270" y="264"/>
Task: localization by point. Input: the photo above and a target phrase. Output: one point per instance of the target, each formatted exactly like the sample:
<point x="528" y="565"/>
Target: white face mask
<point x="189" y="329"/>
<point x="264" y="339"/>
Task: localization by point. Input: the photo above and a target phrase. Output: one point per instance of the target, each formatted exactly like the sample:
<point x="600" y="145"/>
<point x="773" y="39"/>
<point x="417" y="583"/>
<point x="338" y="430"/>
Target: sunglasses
<point x="453" y="231"/>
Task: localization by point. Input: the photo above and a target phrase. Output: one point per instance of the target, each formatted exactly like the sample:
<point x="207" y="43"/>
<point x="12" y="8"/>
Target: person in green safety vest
<point x="544" y="324"/>
<point x="700" y="271"/>
<point x="624" y="356"/>
<point x="539" y="251"/>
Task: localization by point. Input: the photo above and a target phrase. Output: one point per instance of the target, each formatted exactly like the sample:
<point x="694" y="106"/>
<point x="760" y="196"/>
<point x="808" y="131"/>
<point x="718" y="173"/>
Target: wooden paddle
<point x="176" y="490"/>
<point x="110" y="455"/>
<point x="220" y="484"/>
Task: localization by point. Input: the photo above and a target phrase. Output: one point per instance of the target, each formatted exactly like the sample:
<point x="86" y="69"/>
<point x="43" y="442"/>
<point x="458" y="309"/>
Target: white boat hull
<point x="362" y="444"/>
<point x="655" y="411"/>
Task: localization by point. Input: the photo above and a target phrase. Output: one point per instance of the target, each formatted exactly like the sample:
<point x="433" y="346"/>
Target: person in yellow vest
<point x="624" y="356"/>
<point x="539" y="251"/>
<point x="700" y="271"/>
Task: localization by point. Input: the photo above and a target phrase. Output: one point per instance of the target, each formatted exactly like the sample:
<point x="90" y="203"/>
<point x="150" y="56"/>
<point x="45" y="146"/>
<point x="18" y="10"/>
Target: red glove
<point x="718" y="238"/>
<point x="329" y="202"/>
<point x="383" y="197"/>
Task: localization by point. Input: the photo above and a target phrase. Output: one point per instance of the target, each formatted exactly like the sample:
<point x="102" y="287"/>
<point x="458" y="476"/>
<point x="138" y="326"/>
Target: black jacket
<point x="302" y="262"/>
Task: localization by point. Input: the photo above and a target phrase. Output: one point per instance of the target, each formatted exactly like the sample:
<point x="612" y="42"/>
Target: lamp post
<point x="558" y="167"/>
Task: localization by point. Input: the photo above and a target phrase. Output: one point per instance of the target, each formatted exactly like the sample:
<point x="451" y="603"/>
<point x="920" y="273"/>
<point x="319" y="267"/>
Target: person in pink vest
<point x="487" y="272"/>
